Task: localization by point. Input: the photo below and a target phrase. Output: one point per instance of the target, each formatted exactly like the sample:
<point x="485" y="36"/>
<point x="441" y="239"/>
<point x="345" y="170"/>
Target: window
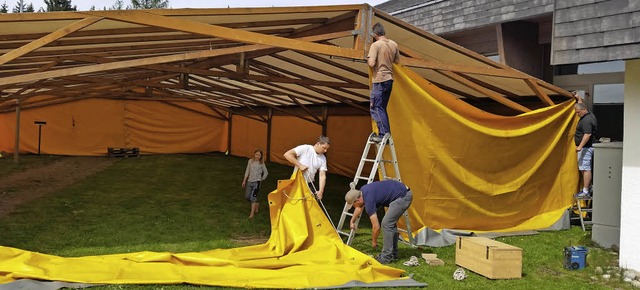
<point x="608" y="93"/>
<point x="601" y="67"/>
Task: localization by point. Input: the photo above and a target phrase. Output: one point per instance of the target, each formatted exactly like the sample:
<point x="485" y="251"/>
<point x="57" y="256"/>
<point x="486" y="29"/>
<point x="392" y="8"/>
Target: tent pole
<point x="16" y="148"/>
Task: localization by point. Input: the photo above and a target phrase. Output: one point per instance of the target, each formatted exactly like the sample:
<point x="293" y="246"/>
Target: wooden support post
<point x="16" y="148"/>
<point x="325" y="115"/>
<point x="230" y="128"/>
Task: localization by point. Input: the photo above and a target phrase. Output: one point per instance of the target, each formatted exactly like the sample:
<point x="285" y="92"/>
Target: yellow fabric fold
<point x="303" y="251"/>
<point x="473" y="170"/>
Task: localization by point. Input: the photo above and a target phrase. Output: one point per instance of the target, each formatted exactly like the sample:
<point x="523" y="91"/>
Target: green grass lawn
<point x="186" y="203"/>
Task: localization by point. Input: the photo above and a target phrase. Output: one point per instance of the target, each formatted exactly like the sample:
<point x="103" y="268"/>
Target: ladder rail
<point x="378" y="164"/>
<point x="583" y="211"/>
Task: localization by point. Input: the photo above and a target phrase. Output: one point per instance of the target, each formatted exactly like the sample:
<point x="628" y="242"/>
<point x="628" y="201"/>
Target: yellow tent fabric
<point x="473" y="170"/>
<point x="87" y="127"/>
<point x="302" y="244"/>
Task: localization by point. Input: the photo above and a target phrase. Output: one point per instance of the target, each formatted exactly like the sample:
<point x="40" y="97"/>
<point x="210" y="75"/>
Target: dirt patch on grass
<point x="249" y="240"/>
<point x="25" y="186"/>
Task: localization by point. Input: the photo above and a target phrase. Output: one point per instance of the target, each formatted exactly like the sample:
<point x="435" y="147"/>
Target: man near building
<point x="584" y="138"/>
<point x="309" y="159"/>
<point x="387" y="193"/>
<point x="383" y="53"/>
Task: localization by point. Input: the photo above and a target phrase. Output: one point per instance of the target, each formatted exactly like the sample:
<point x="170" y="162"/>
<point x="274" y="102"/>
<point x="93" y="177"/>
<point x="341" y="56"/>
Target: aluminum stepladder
<point x="378" y="163"/>
<point x="583" y="208"/>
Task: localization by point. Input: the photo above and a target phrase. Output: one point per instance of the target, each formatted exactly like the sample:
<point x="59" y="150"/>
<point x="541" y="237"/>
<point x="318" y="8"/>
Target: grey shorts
<point x="585" y="156"/>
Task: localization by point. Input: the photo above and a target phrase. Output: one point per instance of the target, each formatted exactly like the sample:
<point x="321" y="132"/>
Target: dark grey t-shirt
<point x="587" y="125"/>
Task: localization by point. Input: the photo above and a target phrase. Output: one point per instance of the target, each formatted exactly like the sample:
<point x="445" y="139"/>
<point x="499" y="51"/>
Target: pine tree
<point x="149" y="4"/>
<point x="119" y="5"/>
<point x="25" y="7"/>
<point x="59" y="5"/>
<point x="4" y="8"/>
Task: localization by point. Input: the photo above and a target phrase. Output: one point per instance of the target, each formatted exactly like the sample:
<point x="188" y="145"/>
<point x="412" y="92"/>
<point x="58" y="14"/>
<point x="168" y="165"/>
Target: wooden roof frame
<point x="234" y="59"/>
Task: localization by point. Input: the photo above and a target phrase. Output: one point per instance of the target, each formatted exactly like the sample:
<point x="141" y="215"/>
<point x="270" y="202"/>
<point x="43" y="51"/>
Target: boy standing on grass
<point x="255" y="173"/>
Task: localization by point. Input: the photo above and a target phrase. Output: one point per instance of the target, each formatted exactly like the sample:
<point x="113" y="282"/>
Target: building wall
<point x="441" y="17"/>
<point x="593" y="31"/>
<point x="630" y="198"/>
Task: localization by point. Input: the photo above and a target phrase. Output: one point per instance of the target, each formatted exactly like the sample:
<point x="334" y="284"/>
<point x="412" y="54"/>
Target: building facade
<point x="589" y="46"/>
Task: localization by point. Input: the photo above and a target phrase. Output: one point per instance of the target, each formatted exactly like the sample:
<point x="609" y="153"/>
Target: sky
<point x="86" y="4"/>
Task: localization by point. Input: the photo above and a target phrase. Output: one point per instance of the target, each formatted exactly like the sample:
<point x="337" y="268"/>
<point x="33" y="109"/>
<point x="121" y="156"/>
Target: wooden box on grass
<point x="489" y="258"/>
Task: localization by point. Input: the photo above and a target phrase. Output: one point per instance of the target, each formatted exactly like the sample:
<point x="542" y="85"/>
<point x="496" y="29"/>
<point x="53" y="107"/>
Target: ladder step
<point x="584" y="198"/>
<point x="343" y="233"/>
<point x="379" y="167"/>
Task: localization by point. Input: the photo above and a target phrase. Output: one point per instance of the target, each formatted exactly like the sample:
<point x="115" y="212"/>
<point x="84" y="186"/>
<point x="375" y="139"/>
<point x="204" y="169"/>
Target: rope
<point x="307" y="179"/>
<point x="295" y="198"/>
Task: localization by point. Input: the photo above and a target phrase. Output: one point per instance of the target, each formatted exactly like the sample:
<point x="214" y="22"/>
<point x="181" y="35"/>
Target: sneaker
<point x="582" y="194"/>
<point x="376" y="138"/>
<point x="381" y="260"/>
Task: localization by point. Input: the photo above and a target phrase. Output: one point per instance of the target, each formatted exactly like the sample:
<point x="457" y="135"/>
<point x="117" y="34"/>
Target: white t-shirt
<point x="308" y="157"/>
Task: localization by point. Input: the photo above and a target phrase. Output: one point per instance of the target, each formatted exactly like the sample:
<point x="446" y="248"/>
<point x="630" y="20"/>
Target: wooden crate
<point x="489" y="258"/>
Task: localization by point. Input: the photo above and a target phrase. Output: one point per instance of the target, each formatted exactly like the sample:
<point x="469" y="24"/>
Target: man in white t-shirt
<point x="309" y="159"/>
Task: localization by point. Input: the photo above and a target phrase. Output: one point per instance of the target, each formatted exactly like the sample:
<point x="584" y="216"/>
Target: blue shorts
<point x="585" y="156"/>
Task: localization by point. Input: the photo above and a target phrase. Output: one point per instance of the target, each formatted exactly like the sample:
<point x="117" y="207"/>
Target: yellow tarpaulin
<point x="304" y="251"/>
<point x="473" y="170"/>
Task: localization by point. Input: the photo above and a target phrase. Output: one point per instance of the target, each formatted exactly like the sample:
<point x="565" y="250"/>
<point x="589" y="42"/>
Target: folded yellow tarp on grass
<point x="304" y="251"/>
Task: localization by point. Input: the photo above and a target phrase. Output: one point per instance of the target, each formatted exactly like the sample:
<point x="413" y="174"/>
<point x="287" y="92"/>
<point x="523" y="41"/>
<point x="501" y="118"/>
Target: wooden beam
<point x="318" y="120"/>
<point x="558" y="90"/>
<point x="541" y="95"/>
<point x="484" y="91"/>
<point x="283" y="110"/>
<point x="147" y="61"/>
<point x="53" y="36"/>
<point x="461" y="50"/>
<point x="151" y="19"/>
<point x="319" y="91"/>
<point x="488" y="71"/>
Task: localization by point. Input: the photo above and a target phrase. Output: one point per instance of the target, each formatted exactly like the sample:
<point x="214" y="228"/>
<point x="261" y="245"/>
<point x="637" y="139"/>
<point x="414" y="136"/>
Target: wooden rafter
<point x="235" y="62"/>
<point x="33" y="45"/>
<point x="498" y="98"/>
<point x="145" y="61"/>
<point x="541" y="95"/>
<point x="151" y="19"/>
